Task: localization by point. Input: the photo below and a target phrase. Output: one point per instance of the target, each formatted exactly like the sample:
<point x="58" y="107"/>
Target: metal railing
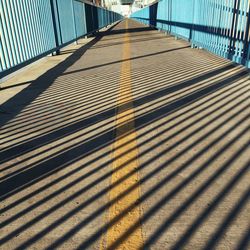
<point x="32" y="29"/>
<point x="220" y="26"/>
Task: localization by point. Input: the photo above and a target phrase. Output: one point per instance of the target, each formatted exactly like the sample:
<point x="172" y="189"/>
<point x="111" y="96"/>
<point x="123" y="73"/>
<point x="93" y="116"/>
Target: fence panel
<point x="220" y="26"/>
<point x="80" y="18"/>
<point x="32" y="29"/>
<point x="26" y="31"/>
<point x="65" y="12"/>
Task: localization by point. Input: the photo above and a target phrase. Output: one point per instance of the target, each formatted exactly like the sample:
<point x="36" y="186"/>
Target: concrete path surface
<point x="132" y="141"/>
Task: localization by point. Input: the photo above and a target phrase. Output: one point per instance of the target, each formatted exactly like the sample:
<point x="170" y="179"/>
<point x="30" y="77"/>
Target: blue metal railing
<point x="220" y="26"/>
<point x="32" y="29"/>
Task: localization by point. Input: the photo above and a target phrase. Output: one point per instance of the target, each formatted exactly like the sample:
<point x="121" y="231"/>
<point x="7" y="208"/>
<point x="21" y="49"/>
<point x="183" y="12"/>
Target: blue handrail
<point x="32" y="29"/>
<point x="220" y="26"/>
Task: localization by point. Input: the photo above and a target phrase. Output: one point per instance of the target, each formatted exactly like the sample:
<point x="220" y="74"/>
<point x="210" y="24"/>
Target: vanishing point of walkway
<point x="134" y="141"/>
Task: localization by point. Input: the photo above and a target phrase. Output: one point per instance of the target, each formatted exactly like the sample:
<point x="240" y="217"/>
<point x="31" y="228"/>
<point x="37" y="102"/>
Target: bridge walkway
<point x="133" y="141"/>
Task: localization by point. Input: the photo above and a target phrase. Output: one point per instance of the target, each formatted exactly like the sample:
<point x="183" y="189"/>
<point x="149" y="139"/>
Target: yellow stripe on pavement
<point x="125" y="163"/>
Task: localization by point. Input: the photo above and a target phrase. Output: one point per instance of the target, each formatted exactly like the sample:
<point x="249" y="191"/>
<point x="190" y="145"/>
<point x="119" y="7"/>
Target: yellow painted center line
<point x="125" y="163"/>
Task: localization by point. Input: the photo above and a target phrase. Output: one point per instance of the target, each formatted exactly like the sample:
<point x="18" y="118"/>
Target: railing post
<point x="246" y="46"/>
<point x="232" y="32"/>
<point x="57" y="52"/>
<point x="248" y="57"/>
<point x="74" y="19"/>
<point x="93" y="20"/>
<point x="192" y="27"/>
